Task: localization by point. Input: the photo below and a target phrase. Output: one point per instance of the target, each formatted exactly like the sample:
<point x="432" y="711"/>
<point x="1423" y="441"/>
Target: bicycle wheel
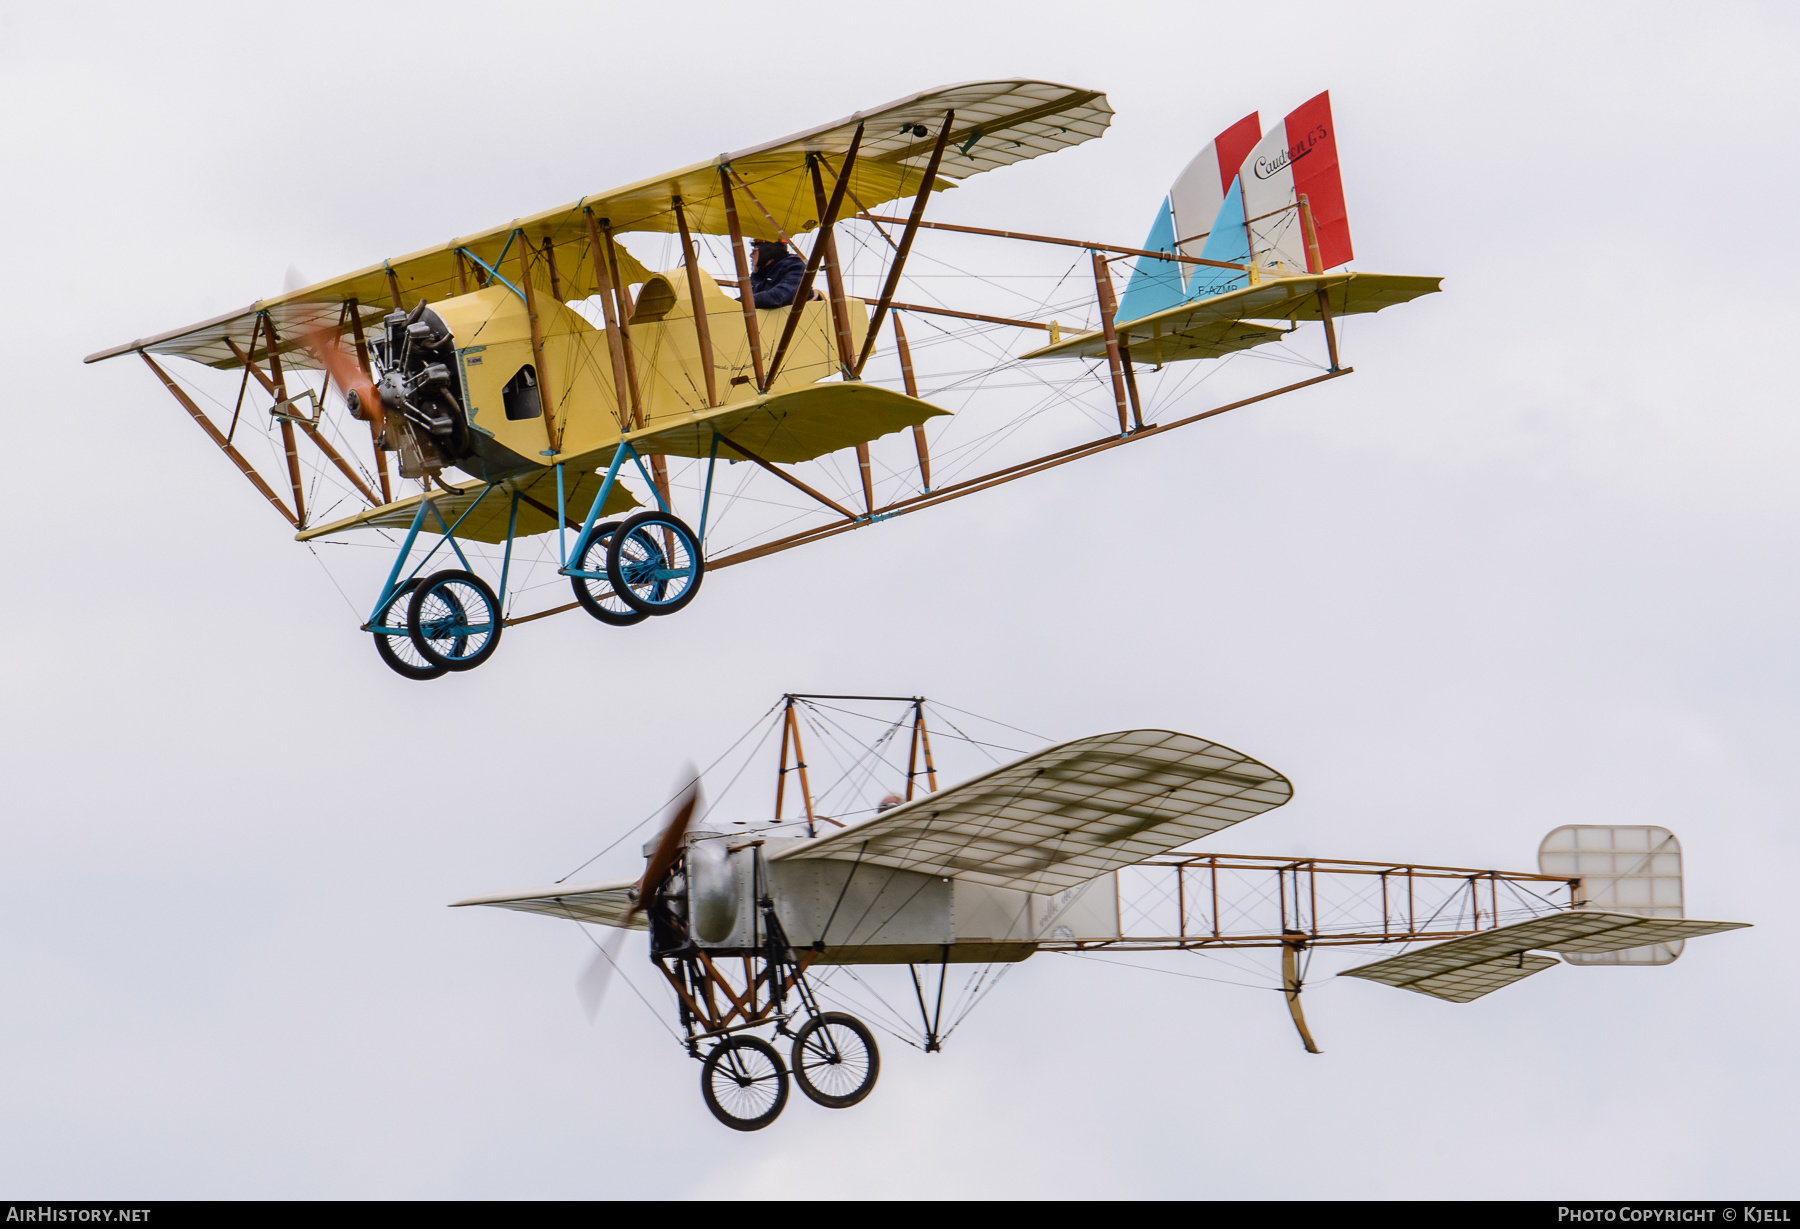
<point x="654" y="563"/>
<point x="835" y="1060"/>
<point x="396" y="647"/>
<point x="598" y="597"/>
<point x="744" y="1083"/>
<point x="454" y="620"/>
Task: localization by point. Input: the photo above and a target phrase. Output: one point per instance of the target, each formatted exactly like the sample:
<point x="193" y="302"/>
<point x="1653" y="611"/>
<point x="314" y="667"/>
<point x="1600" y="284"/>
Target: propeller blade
<point x="343" y="370"/>
<point x="591" y="986"/>
<point x="668" y="847"/>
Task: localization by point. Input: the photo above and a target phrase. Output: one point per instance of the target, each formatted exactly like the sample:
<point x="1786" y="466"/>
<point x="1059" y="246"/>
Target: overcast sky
<point x="1531" y="565"/>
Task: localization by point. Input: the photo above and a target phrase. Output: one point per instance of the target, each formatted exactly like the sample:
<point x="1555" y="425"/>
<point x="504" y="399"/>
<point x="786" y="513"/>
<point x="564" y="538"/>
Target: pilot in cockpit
<point x="775" y="274"/>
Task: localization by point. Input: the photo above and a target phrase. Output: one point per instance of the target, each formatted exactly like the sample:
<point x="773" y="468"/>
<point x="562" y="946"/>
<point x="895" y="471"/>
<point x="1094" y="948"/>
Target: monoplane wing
<point x="485" y="518"/>
<point x="1060" y="817"/>
<point x="1209" y="328"/>
<point x="608" y="903"/>
<point x="996" y="124"/>
<point x="1463" y="970"/>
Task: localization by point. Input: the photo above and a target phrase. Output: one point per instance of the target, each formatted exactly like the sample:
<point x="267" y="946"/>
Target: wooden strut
<point x="945" y="311"/>
<point x="840" y="321"/>
<point x="614" y="344"/>
<point x="790" y="480"/>
<point x="237" y="458"/>
<point x="746" y="296"/>
<point x="800" y="764"/>
<point x="834" y="273"/>
<point x="906" y="241"/>
<point x="279" y="391"/>
<point x="1315" y="264"/>
<point x="362" y="359"/>
<point x="801" y="296"/>
<point x="912" y="390"/>
<point x="925" y="742"/>
<point x="550" y="263"/>
<point x="545" y="399"/>
<point x="912" y="750"/>
<point x="1114" y="363"/>
<point x="793" y="732"/>
<point x="781" y="772"/>
<point x="311" y="429"/>
<point x="702" y="327"/>
<point x="624" y="295"/>
<point x="1072" y="243"/>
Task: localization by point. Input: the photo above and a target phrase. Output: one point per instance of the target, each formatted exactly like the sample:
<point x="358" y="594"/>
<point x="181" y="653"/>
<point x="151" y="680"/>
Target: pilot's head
<point x="767" y="250"/>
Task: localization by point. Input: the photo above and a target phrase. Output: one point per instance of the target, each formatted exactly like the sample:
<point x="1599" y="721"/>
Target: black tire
<point x="638" y="561"/>
<point x="835" y="1060"/>
<point x="398" y="652"/>
<point x="744" y="1083"/>
<point x="598" y="597"/>
<point x="454" y="620"/>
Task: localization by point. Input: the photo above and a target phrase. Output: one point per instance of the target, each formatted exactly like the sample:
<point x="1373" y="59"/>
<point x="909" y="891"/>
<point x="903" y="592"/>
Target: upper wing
<point x="1058" y="818"/>
<point x="1462" y="970"/>
<point x="997" y="123"/>
<point x="607" y="903"/>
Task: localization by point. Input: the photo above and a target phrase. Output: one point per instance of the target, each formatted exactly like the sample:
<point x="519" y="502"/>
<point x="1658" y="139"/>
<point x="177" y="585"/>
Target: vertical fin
<point x="1227" y="240"/>
<point x="1155" y="284"/>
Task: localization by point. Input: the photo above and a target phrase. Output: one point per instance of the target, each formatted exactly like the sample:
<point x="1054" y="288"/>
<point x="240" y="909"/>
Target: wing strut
<point x="804" y="293"/>
<point x="906" y="242"/>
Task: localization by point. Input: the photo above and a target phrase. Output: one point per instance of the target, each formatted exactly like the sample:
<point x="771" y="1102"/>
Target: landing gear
<point x="654" y="564"/>
<point x="835" y="1060"/>
<point x="744" y="1083"/>
<point x="394" y="642"/>
<point x="453" y="620"/>
<point x="593" y="583"/>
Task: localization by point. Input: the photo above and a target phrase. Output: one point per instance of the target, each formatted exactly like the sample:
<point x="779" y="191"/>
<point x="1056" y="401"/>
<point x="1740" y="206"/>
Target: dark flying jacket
<point x="776" y="283"/>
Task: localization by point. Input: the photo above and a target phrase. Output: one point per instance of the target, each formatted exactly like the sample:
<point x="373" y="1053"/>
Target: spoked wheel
<point x="744" y="1083"/>
<point x="654" y="563"/>
<point x="835" y="1060"/>
<point x="598" y="597"/>
<point x="396" y="647"/>
<point x="454" y="620"/>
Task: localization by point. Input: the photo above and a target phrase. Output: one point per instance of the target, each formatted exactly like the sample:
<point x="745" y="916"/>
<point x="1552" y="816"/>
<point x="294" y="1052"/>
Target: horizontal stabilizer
<point x="607" y="903"/>
<point x="1243" y="318"/>
<point x="1464" y="969"/>
<point x="1469" y="982"/>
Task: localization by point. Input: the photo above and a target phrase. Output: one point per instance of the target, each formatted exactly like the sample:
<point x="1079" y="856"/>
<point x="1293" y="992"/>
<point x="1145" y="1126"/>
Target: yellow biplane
<point x="1082" y="848"/>
<point x="527" y="377"/>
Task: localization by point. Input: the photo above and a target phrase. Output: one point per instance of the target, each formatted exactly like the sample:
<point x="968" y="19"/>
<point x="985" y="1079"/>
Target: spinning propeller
<point x="591" y="986"/>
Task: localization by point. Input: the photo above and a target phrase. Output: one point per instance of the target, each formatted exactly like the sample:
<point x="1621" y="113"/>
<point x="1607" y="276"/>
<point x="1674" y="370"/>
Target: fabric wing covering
<point x="997" y="123"/>
<point x="606" y="903"/>
<point x="1463" y="970"/>
<point x="1056" y="819"/>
